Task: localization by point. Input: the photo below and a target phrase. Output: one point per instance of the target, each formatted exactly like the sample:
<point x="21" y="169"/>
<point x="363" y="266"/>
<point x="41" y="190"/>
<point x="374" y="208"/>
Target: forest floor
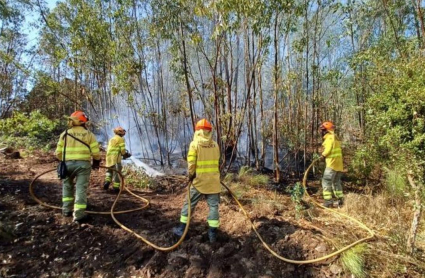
<point x="36" y="241"/>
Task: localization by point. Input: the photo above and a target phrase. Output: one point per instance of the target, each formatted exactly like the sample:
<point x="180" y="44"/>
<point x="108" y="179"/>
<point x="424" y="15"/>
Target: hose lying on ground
<point x="31" y="190"/>
<point x="363" y="226"/>
<point x="112" y="213"/>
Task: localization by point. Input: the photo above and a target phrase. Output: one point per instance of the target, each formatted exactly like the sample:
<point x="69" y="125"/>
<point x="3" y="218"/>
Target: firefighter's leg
<point x="82" y="182"/>
<point x="327" y="181"/>
<point x="108" y="179"/>
<point x="338" y="188"/>
<point x="118" y="167"/>
<point x="195" y="196"/>
<point x="213" y="218"/>
<point x="68" y="193"/>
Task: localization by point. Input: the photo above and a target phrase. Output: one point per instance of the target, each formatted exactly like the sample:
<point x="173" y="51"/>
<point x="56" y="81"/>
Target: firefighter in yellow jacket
<point x="114" y="154"/>
<point x="332" y="153"/>
<point x="203" y="169"/>
<point x="76" y="147"/>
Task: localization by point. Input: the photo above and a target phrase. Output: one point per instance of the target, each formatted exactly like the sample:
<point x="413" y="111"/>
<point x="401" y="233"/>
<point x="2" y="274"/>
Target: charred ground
<point x="40" y="242"/>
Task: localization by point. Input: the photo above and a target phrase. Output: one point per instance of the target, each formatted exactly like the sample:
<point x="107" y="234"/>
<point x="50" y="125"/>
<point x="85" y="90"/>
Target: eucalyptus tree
<point x="13" y="71"/>
<point x="77" y="40"/>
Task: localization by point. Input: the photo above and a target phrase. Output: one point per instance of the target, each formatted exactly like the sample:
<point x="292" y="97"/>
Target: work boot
<point x="116" y="189"/>
<point x="328" y="203"/>
<point x="179" y="230"/>
<point x="340" y="202"/>
<point x="67" y="213"/>
<point x="106" y="185"/>
<point x="212" y="234"/>
<point x="86" y="218"/>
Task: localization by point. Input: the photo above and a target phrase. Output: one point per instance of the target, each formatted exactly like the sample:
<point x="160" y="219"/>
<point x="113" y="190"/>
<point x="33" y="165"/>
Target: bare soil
<point x="36" y="241"/>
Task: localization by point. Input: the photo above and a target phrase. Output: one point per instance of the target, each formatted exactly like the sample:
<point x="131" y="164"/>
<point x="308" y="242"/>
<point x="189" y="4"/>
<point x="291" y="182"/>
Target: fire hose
<point x="174" y="246"/>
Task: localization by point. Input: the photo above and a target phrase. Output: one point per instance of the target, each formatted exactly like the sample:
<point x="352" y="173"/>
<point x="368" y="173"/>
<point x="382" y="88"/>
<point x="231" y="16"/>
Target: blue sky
<point x="32" y="18"/>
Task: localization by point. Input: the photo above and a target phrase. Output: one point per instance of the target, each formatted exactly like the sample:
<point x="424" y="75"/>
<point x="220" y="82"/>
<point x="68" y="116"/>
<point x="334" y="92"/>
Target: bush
<point x="29" y="131"/>
<point x="362" y="163"/>
<point x="137" y="178"/>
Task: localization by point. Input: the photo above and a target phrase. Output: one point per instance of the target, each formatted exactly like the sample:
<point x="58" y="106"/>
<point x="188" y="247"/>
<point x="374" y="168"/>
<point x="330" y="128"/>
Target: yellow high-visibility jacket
<point x="332" y="151"/>
<point x="203" y="159"/>
<point x="116" y="148"/>
<point x="76" y="150"/>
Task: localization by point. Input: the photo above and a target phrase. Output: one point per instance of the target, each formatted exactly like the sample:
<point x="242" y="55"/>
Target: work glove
<point x="126" y="155"/>
<point x="192" y="177"/>
<point x="96" y="164"/>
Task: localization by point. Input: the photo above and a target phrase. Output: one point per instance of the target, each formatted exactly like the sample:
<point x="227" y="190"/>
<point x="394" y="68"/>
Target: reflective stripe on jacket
<point x="76" y="150"/>
<point x="203" y="159"/>
<point x="116" y="148"/>
<point x="332" y="151"/>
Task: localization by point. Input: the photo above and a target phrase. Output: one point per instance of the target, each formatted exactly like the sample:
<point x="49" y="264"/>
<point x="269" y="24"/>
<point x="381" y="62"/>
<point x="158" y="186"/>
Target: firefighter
<point x="115" y="153"/>
<point x="76" y="146"/>
<point x="332" y="153"/>
<point x="203" y="170"/>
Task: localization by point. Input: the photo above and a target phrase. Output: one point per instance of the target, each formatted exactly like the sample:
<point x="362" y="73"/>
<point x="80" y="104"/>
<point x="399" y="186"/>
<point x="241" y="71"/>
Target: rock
<point x="321" y="248"/>
<point x="196" y="261"/>
<point x="193" y="272"/>
<point x="335" y="269"/>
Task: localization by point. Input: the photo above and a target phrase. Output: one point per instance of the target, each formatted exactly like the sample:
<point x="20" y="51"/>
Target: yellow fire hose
<point x="371" y="233"/>
<point x="31" y="190"/>
<point x="147" y="241"/>
<point x="112" y="212"/>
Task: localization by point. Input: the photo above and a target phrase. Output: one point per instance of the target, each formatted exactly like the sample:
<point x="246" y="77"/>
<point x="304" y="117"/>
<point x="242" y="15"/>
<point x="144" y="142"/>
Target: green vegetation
<point x="31" y="131"/>
<point x="137" y="178"/>
<point x="248" y="177"/>
<point x="265" y="72"/>
<point x="297" y="193"/>
<point x="396" y="184"/>
<point x="353" y="260"/>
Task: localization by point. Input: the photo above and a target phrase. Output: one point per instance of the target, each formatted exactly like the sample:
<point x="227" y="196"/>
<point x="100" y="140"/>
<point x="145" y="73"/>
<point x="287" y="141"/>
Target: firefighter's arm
<point x="327" y="146"/>
<point x="122" y="146"/>
<point x="94" y="147"/>
<point x="59" y="148"/>
<point x="191" y="161"/>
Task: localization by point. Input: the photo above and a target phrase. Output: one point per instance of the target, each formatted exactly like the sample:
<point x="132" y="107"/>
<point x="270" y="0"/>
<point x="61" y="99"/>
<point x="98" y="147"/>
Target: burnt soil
<point x="36" y="241"/>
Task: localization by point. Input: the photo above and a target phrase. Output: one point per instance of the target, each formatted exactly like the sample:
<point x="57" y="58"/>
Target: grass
<point x="390" y="221"/>
<point x="247" y="176"/>
<point x="353" y="260"/>
<point x="137" y="178"/>
<point x="395" y="184"/>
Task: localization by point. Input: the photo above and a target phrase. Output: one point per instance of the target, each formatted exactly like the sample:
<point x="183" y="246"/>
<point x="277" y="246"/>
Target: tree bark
<point x="416" y="214"/>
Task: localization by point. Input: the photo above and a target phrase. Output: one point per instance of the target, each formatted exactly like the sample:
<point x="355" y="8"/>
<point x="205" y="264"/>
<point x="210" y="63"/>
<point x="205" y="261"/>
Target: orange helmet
<point x="119" y="131"/>
<point x="327" y="126"/>
<point x="203" y="124"/>
<point x="79" y="118"/>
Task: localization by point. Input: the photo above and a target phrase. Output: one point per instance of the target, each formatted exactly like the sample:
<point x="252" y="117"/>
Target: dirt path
<point x="39" y="242"/>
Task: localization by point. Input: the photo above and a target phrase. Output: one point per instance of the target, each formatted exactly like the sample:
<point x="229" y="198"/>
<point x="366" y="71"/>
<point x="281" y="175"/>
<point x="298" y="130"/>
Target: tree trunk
<point x="275" y="116"/>
<point x="416" y="214"/>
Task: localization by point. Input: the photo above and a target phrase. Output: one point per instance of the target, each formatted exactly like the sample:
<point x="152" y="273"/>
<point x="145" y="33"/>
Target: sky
<point x="33" y="17"/>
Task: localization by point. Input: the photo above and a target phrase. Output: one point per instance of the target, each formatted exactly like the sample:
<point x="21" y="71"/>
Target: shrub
<point x="362" y="163"/>
<point x="297" y="193"/>
<point x="137" y="178"/>
<point x="29" y="131"/>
